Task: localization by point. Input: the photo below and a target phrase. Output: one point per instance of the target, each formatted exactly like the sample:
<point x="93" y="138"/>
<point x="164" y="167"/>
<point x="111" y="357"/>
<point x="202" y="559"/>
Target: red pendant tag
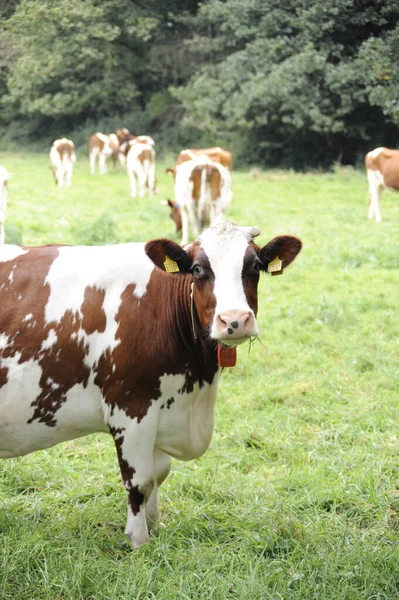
<point x="227" y="357"/>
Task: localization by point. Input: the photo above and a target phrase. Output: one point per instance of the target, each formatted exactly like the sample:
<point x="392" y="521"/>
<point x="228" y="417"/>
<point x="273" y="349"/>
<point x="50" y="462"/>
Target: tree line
<point x="298" y="83"/>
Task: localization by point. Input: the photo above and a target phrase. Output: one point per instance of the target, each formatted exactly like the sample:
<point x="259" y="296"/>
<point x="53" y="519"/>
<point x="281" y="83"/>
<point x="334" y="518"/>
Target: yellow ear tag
<point x="275" y="267"/>
<point x="170" y="265"/>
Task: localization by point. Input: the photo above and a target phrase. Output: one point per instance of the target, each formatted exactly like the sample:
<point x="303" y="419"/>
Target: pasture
<point x="298" y="495"/>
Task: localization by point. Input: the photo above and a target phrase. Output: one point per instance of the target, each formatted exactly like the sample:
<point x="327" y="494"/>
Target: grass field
<point x="298" y="496"/>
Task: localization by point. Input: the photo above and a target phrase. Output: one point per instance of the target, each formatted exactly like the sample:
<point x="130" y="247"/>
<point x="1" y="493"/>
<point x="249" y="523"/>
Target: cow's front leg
<point x="135" y="454"/>
<point x="162" y="464"/>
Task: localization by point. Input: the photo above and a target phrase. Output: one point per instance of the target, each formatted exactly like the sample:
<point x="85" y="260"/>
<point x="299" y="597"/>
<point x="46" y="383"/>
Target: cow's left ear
<point x="279" y="253"/>
<point x="168" y="256"/>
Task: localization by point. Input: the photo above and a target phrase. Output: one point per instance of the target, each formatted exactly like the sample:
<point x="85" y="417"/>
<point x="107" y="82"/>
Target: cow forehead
<point x="225" y="244"/>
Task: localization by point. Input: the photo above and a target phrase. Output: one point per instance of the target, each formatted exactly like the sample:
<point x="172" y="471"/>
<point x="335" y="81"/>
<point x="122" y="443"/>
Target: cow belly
<point x="79" y="413"/>
<point x="186" y="420"/>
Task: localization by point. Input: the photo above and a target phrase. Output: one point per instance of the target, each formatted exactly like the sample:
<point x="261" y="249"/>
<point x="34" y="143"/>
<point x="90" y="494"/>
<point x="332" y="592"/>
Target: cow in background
<point x="3" y="200"/>
<point x="202" y="192"/>
<point x="102" y="147"/>
<point x="62" y="157"/>
<point x="382" y="166"/>
<point x="140" y="166"/>
<point x="217" y="154"/>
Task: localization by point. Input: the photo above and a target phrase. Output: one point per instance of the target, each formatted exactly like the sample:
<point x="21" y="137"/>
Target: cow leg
<point x="151" y="180"/>
<point x="133" y="191"/>
<point x="184" y="227"/>
<point x="375" y="193"/>
<point x="102" y="163"/>
<point x="93" y="156"/>
<point x="162" y="464"/>
<point x="141" y="179"/>
<point x="135" y="448"/>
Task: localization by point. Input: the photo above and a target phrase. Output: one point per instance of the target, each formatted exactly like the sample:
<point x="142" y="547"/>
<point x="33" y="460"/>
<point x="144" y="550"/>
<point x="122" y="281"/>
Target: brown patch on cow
<point x="96" y="142"/>
<point x="3" y="376"/>
<point x="145" y="154"/>
<point x="55" y="346"/>
<point x="250" y="276"/>
<point x="212" y="181"/>
<point x="151" y="338"/>
<point x="387" y="163"/>
<point x="64" y="148"/>
<point x="94" y="318"/>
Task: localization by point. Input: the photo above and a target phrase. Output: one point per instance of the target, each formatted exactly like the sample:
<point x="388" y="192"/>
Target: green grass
<point x="298" y="496"/>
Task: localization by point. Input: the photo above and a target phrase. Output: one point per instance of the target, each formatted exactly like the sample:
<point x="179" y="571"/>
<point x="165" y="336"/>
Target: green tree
<point x="288" y="78"/>
<point x="75" y="57"/>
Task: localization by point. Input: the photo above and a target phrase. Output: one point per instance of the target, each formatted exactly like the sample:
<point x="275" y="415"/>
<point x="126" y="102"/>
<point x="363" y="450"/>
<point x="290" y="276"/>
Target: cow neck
<point x="185" y="326"/>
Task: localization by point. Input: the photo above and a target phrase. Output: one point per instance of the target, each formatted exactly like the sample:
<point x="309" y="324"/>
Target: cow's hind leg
<point x="162" y="464"/>
<point x="135" y="448"/>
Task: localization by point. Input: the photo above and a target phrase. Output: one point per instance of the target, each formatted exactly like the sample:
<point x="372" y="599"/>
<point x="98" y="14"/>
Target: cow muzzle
<point x="233" y="327"/>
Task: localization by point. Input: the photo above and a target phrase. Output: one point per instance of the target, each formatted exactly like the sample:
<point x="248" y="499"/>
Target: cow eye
<point x="197" y="270"/>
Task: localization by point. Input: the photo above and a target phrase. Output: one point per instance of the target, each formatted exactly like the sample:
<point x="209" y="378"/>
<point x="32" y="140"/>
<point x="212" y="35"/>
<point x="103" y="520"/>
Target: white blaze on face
<point x="225" y="245"/>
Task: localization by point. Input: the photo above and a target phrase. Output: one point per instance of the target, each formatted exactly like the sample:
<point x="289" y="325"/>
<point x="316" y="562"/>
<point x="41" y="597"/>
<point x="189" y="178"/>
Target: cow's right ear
<point x="168" y="256"/>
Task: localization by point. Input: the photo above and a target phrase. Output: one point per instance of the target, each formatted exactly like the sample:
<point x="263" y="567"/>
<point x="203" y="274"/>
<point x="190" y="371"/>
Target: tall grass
<point x="298" y="496"/>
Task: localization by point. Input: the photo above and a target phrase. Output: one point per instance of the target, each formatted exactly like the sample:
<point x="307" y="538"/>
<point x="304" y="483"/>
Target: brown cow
<point x="127" y="339"/>
<point x="382" y="165"/>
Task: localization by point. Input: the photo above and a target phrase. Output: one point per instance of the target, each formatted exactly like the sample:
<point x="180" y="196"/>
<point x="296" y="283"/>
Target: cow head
<point x="175" y="212"/>
<point x="171" y="171"/>
<point x="225" y="265"/>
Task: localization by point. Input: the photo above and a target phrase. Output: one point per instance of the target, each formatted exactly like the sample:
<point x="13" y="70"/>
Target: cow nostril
<point x="234" y="324"/>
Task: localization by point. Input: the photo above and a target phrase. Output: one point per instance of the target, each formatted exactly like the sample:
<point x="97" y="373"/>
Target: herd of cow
<point x="131" y="339"/>
<point x="202" y="178"/>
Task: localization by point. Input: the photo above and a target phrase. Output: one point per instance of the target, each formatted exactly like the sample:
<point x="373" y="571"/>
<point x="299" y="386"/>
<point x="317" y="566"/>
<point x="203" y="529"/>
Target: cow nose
<point x="235" y="324"/>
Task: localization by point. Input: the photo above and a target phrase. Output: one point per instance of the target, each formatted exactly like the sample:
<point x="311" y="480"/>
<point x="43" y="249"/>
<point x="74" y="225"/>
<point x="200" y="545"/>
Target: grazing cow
<point x="202" y="192"/>
<point x="63" y="157"/>
<point x="175" y="213"/>
<point x="131" y="343"/>
<point x="101" y="147"/>
<point x="140" y="165"/>
<point x="382" y="165"/>
<point x="3" y="200"/>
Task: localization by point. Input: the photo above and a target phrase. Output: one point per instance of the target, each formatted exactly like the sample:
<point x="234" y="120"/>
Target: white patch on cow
<point x="109" y="268"/>
<point x="185" y="428"/>
<point x="376" y="152"/>
<point x="50" y="340"/>
<point x="10" y="252"/>
<point x="27" y="317"/>
<point x="225" y="245"/>
<point x="23" y="382"/>
<point x="3" y="341"/>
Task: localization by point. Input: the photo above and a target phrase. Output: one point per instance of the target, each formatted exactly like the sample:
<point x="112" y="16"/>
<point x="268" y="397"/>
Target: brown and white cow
<point x="140" y="166"/>
<point x="382" y="165"/>
<point x="202" y="193"/>
<point x="131" y="343"/>
<point x="102" y="147"/>
<point x="62" y="157"/>
<point x="3" y="200"/>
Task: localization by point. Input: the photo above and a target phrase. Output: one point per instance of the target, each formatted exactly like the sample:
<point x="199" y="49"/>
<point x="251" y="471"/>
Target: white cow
<point x="140" y="164"/>
<point x="3" y="200"/>
<point x="63" y="157"/>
